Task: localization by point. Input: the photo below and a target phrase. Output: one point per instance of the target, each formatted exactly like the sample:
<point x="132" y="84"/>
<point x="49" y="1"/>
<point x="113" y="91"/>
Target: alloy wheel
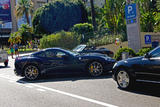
<point x="95" y="68"/>
<point x="31" y="72"/>
<point x="123" y="79"/>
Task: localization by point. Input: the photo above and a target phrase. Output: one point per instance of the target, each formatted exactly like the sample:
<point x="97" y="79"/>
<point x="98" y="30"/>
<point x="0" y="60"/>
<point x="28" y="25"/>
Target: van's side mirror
<point x="147" y="55"/>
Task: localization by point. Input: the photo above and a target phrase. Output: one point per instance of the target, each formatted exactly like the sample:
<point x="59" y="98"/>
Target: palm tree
<point x="93" y="15"/>
<point x="24" y="7"/>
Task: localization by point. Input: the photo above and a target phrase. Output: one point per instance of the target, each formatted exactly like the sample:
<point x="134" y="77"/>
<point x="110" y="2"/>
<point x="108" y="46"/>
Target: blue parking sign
<point x="147" y="39"/>
<point x="130" y="11"/>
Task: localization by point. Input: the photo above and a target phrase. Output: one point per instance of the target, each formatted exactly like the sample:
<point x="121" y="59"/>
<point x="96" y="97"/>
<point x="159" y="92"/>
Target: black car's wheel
<point x="95" y="68"/>
<point x="125" y="80"/>
<point x="31" y="72"/>
<point x="5" y="64"/>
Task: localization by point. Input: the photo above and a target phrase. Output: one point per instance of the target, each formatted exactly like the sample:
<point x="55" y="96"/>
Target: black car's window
<point x="39" y="54"/>
<point x="50" y="54"/>
<point x="60" y="54"/>
<point x="42" y="54"/>
<point x="155" y="52"/>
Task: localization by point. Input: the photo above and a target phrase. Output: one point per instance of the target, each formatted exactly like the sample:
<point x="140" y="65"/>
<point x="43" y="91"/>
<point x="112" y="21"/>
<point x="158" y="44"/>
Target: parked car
<point x="4" y="57"/>
<point x="60" y="61"/>
<point x="145" y="68"/>
<point x="92" y="49"/>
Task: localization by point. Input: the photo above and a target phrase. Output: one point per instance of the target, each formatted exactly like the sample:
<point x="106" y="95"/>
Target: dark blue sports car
<point x="60" y="61"/>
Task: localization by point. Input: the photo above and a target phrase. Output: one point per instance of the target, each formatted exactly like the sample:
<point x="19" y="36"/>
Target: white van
<point x="4" y="57"/>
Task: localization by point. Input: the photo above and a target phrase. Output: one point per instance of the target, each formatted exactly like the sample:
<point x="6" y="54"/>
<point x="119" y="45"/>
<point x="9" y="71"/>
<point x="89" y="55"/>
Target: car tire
<point x="95" y="68"/>
<point x="31" y="72"/>
<point x="5" y="64"/>
<point x="125" y="80"/>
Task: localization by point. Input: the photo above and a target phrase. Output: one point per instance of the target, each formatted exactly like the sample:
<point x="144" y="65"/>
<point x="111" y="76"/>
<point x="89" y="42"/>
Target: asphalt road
<point x="72" y="91"/>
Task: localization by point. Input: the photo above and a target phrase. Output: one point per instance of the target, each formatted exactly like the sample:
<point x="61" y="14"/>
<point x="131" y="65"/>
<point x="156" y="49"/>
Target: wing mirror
<point x="147" y="55"/>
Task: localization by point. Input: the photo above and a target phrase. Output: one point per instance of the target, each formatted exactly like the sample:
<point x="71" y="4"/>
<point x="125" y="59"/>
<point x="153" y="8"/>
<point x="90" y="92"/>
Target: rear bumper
<point x="18" y="70"/>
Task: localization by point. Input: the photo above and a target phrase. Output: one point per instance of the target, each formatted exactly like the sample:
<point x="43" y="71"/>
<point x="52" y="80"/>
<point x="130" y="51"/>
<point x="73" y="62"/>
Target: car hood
<point x="134" y="59"/>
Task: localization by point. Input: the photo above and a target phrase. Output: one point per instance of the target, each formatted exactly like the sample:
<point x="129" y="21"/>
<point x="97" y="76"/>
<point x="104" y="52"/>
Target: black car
<point x="60" y="61"/>
<point x="91" y="49"/>
<point x="145" y="68"/>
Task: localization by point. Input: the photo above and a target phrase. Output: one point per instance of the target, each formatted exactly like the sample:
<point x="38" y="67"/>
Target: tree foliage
<point x="26" y="32"/>
<point x="15" y="38"/>
<point x="59" y="15"/>
<point x="85" y="30"/>
<point x="24" y="7"/>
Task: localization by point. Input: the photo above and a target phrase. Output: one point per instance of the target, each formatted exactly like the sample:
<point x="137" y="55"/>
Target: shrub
<point x="26" y="33"/>
<point x="84" y="29"/>
<point x="59" y="15"/>
<point x="118" y="55"/>
<point x="143" y="51"/>
<point x="62" y="39"/>
<point x="109" y="39"/>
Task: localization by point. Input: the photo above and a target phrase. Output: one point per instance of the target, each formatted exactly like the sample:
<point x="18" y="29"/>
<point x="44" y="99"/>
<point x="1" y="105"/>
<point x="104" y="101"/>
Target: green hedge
<point x="143" y="51"/>
<point x="108" y="39"/>
<point x="84" y="29"/>
<point x="118" y="55"/>
<point x="62" y="39"/>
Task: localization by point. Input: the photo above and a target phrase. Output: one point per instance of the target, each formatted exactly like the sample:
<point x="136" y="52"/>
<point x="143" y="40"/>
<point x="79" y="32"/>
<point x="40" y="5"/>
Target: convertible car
<point x="145" y="68"/>
<point x="60" y="61"/>
<point x="92" y="49"/>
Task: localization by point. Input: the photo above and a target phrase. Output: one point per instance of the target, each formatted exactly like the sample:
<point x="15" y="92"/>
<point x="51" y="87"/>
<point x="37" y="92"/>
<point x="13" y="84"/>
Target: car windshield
<point x="155" y="52"/>
<point x="79" y="48"/>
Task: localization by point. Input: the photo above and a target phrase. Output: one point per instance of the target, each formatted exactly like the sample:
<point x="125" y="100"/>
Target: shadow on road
<point x="1" y="67"/>
<point x="74" y="77"/>
<point x="144" y="88"/>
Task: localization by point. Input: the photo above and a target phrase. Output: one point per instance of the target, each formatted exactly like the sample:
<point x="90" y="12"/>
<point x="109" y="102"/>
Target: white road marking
<point x="63" y="93"/>
<point x="28" y="86"/>
<point x="41" y="90"/>
<point x="11" y="81"/>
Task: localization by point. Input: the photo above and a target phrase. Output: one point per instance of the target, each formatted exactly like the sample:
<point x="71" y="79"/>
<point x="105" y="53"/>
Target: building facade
<point x="7" y="28"/>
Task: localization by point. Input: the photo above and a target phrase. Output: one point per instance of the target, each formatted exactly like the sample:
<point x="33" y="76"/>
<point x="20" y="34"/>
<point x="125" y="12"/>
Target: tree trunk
<point x="93" y="15"/>
<point x="27" y="17"/>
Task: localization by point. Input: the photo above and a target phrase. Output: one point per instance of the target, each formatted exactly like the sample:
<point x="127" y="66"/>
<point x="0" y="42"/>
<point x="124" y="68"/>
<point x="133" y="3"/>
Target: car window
<point x="60" y="54"/>
<point x="155" y="52"/>
<point x="50" y="54"/>
<point x="41" y="54"/>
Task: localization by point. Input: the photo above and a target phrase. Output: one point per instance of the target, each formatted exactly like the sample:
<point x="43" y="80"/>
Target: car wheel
<point x="95" y="68"/>
<point x="5" y="64"/>
<point x="125" y="80"/>
<point x="31" y="72"/>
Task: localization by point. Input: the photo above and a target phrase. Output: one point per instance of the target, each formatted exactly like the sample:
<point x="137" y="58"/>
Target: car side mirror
<point x="147" y="55"/>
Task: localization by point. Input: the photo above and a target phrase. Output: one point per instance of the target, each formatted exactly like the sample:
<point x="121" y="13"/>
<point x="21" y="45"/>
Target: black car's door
<point x="150" y="66"/>
<point x="60" y="62"/>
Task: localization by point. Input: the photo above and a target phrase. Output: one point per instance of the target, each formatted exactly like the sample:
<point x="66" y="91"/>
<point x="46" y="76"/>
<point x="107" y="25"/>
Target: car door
<point x="61" y="62"/>
<point x="150" y="66"/>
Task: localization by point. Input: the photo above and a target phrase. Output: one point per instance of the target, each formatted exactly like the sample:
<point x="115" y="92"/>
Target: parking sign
<point x="130" y="11"/>
<point x="147" y="39"/>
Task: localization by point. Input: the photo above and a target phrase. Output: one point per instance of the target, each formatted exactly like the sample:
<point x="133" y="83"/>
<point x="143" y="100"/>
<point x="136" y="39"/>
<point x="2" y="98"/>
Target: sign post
<point x="133" y="25"/>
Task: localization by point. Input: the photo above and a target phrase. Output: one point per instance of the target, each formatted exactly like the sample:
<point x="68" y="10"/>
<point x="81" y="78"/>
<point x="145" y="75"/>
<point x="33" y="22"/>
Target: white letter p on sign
<point x="129" y="9"/>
